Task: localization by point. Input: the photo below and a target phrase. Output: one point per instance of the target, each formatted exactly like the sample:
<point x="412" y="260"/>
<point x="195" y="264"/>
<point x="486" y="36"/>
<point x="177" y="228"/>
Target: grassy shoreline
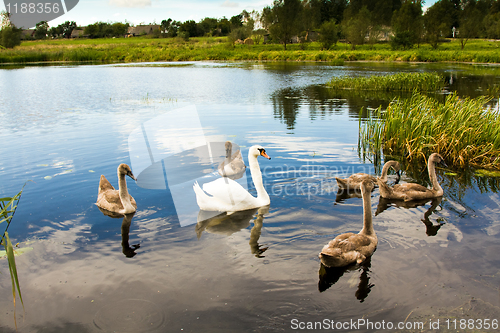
<point x="142" y="49"/>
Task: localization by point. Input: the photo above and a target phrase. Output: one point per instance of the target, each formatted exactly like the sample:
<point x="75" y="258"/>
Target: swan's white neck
<point x="432" y="175"/>
<point x="124" y="196"/>
<point x="257" y="179"/>
<point x="367" y="213"/>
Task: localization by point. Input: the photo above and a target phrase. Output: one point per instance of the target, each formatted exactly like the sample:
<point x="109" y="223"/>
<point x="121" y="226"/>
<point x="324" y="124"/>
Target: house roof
<point x="143" y="29"/>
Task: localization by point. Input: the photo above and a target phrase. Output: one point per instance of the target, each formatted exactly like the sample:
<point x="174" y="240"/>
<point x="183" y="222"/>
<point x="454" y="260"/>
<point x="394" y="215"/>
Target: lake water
<point x="257" y="271"/>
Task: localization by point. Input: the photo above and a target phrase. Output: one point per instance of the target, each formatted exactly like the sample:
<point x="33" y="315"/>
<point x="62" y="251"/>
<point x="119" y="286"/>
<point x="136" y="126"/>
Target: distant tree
<point x="407" y="25"/>
<point x="267" y="17"/>
<point x="4" y="19"/>
<point x="492" y="25"/>
<point x="381" y="11"/>
<point x="332" y="10"/>
<point x="286" y="24"/>
<point x="41" y="30"/>
<point x="190" y="28"/>
<point x="223" y="27"/>
<point x="55" y="31"/>
<point x="258" y="35"/>
<point x="471" y="19"/>
<point x="311" y="15"/>
<point x="236" y="21"/>
<point x="208" y="26"/>
<point x="10" y="36"/>
<point x="67" y="28"/>
<point x="438" y="21"/>
<point x="237" y="34"/>
<point x="106" y="30"/>
<point x="165" y="26"/>
<point x="120" y="29"/>
<point x="173" y="29"/>
<point x="357" y="27"/>
<point x="328" y="34"/>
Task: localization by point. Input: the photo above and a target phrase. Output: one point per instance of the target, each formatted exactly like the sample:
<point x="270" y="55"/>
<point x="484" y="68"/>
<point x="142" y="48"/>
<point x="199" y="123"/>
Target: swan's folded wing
<point x="237" y="156"/>
<point x="226" y="190"/>
<point x="105" y="185"/>
<point x="410" y="187"/>
<point x="113" y="198"/>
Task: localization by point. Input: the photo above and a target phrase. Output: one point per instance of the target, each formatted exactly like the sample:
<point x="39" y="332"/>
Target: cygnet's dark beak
<point x="443" y="164"/>
<point x="398" y="176"/>
<point x="131" y="175"/>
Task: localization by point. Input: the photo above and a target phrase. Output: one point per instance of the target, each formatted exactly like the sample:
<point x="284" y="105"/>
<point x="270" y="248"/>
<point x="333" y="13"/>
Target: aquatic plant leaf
<point x="450" y="174"/>
<point x="487" y="173"/>
<point x="4" y="213"/>
<point x="17" y="252"/>
<point x="13" y="272"/>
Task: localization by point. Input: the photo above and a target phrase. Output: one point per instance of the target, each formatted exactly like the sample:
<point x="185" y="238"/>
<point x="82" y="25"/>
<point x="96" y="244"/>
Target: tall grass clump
<point x="463" y="130"/>
<point x="429" y="82"/>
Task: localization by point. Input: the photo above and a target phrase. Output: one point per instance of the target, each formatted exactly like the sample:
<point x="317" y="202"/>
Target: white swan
<point x="117" y="201"/>
<point x="226" y="195"/>
<point x="233" y="164"/>
<point x="350" y="248"/>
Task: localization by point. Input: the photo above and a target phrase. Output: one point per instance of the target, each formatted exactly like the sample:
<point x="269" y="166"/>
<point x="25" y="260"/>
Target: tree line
<point x="403" y="22"/>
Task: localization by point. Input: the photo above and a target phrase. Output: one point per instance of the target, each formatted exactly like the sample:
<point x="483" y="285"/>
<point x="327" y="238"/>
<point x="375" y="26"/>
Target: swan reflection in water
<point x="344" y="194"/>
<point x="227" y="225"/>
<point x="328" y="276"/>
<point x="128" y="251"/>
<point x="348" y="193"/>
<point x="431" y="228"/>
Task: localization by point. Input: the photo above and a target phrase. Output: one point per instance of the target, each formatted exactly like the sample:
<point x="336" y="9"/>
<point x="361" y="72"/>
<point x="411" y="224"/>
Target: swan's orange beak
<point x="263" y="153"/>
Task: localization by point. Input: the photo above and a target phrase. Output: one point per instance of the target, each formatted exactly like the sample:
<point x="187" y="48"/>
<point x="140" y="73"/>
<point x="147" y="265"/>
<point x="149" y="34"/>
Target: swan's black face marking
<point x="263" y="153"/>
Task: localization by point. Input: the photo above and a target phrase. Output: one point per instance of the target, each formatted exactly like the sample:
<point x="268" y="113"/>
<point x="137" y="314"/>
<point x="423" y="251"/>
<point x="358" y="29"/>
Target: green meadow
<point x="144" y="49"/>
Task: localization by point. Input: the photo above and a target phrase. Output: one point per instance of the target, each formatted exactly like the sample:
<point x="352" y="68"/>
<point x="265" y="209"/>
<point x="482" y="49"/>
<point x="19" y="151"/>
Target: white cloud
<point x="130" y="3"/>
<point x="229" y="4"/>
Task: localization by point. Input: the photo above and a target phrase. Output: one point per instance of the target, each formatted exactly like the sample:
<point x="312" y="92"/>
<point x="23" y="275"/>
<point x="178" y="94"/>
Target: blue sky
<point x="149" y="11"/>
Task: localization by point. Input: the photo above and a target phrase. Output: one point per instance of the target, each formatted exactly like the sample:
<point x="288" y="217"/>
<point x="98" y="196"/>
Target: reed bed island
<point x="466" y="131"/>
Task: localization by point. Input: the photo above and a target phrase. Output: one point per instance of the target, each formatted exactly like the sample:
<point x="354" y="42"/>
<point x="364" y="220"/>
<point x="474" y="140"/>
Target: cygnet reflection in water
<point x="328" y="276"/>
<point x="344" y="194"/>
<point x="128" y="251"/>
<point x="431" y="228"/>
<point x="227" y="225"/>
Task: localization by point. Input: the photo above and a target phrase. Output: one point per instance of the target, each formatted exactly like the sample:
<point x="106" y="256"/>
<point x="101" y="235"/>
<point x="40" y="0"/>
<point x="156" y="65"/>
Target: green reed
<point x="397" y="82"/>
<point x="463" y="130"/>
<point x="8" y="207"/>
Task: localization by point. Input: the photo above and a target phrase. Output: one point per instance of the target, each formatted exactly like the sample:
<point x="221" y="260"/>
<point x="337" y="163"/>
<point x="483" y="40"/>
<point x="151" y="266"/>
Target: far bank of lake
<point x="145" y="49"/>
